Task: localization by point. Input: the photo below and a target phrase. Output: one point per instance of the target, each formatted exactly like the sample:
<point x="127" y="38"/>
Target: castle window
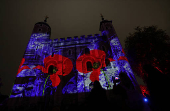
<point x="39" y="30"/>
<point x="52" y="70"/>
<point x="103" y="48"/>
<point x="48" y="29"/>
<point x="52" y="54"/>
<point x="69" y="52"/>
<point x="89" y="66"/>
<point x="107" y="61"/>
<point x="47" y="91"/>
<point x="87" y="51"/>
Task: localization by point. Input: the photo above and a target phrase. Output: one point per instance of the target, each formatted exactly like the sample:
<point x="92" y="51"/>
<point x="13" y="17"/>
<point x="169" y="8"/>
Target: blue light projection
<point x="123" y="65"/>
<point x="34" y="87"/>
<point x="83" y="80"/>
<point x="41" y="47"/>
<point x="145" y="99"/>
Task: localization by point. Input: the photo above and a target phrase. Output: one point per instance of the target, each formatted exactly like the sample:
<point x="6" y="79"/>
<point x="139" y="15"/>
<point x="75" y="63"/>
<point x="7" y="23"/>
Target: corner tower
<point x="39" y="44"/>
<point x="118" y="53"/>
<point x="29" y="80"/>
<point x="42" y="27"/>
<point x="107" y="28"/>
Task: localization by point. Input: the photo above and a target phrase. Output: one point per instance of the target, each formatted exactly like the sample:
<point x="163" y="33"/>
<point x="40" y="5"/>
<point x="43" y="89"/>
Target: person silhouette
<point x="97" y="99"/>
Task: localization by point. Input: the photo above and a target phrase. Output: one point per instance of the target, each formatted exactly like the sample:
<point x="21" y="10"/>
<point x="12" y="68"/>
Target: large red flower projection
<point x="62" y="66"/>
<point x="24" y="67"/>
<point x="96" y="57"/>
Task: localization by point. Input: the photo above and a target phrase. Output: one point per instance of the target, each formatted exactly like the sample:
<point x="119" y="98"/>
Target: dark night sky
<point x="68" y="19"/>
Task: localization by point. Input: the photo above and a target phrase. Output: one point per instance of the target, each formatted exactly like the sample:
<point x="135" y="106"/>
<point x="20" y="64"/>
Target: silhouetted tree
<point x="158" y="86"/>
<point x="148" y="45"/>
<point x="147" y="50"/>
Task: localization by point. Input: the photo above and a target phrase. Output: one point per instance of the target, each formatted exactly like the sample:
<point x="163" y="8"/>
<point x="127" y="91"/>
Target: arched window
<point x="39" y="30"/>
<point x="52" y="69"/>
<point x="52" y="54"/>
<point x="89" y="66"/>
<point x="47" y="91"/>
<point x="69" y="52"/>
<point x="48" y="32"/>
<point x="103" y="48"/>
<point x="107" y="61"/>
<point x="87" y="51"/>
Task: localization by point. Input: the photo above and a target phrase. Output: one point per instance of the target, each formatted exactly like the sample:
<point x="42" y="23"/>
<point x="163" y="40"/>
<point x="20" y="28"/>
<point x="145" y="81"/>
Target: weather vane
<point x="46" y="17"/>
<point x="102" y="16"/>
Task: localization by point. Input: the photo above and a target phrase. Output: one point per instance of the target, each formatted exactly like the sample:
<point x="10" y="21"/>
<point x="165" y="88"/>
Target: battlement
<point x="77" y="39"/>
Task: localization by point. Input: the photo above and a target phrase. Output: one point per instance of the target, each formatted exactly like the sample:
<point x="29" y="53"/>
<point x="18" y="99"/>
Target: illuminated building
<point x="59" y="68"/>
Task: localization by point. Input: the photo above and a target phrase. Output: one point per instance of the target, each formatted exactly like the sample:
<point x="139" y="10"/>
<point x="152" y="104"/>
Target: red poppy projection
<point x="111" y="59"/>
<point x="123" y="51"/>
<point x="123" y="58"/>
<point x="62" y="64"/>
<point x="24" y="67"/>
<point x="95" y="56"/>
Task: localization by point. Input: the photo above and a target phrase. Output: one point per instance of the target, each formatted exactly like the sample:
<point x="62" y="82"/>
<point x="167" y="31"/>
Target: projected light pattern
<point x="42" y="53"/>
<point x="37" y="49"/>
<point x="104" y="77"/>
<point x="94" y="56"/>
<point x="119" y="54"/>
<point x="33" y="79"/>
<point x="22" y="68"/>
<point x="63" y="64"/>
<point x="34" y="84"/>
<point x="83" y="80"/>
<point x="45" y="84"/>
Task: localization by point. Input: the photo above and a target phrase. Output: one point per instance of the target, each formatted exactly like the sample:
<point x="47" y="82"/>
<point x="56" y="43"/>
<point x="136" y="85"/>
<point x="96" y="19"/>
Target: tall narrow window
<point x="89" y="66"/>
<point x="87" y="51"/>
<point x="107" y="61"/>
<point x="39" y="30"/>
<point x="103" y="48"/>
<point x="52" y="69"/>
<point x="47" y="91"/>
<point x="69" y="52"/>
<point x="52" y="54"/>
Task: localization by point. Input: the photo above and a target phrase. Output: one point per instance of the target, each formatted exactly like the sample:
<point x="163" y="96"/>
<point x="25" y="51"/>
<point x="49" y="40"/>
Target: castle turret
<point x="108" y="30"/>
<point x="42" y="27"/>
<point x="39" y="44"/>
